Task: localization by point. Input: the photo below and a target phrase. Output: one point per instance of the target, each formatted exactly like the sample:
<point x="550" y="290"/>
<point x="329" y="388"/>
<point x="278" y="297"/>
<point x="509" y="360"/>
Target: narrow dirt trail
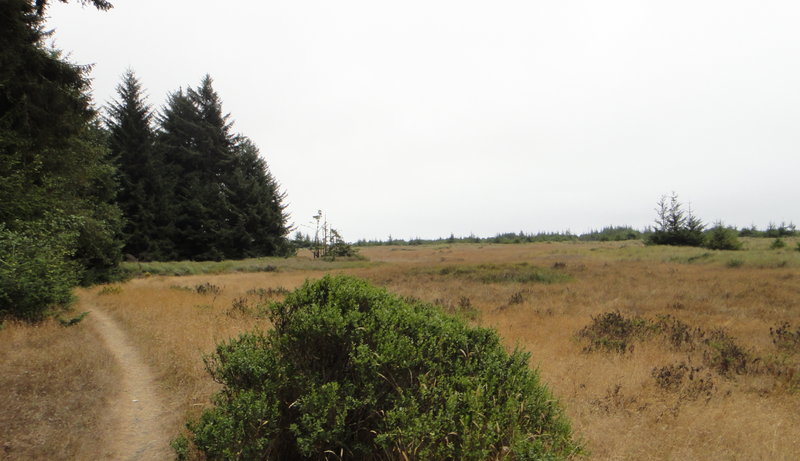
<point x="136" y="430"/>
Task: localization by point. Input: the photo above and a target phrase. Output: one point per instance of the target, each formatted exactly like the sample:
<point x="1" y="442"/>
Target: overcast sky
<point x="425" y="118"/>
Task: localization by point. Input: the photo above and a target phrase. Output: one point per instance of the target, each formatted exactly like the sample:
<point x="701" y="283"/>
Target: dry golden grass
<point x="55" y="383"/>
<point x="613" y="400"/>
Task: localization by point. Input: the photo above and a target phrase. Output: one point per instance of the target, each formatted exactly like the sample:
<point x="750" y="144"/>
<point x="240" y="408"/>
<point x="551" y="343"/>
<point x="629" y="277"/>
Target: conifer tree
<point x="258" y="220"/>
<point x="227" y="204"/>
<point x="144" y="190"/>
<point x="674" y="225"/>
<point x="56" y="180"/>
<point x="178" y="144"/>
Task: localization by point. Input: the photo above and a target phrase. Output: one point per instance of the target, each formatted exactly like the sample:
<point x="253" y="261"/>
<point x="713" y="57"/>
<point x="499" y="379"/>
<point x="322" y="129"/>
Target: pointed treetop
<point x="132" y="102"/>
<point x="209" y="104"/>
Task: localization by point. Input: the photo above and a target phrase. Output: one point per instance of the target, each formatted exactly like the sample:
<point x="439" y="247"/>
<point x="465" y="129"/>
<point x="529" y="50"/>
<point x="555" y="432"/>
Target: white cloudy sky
<point x="422" y="118"/>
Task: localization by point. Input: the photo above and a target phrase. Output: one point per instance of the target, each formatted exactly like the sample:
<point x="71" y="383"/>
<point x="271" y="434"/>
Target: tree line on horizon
<point x="675" y="230"/>
<point x="79" y="189"/>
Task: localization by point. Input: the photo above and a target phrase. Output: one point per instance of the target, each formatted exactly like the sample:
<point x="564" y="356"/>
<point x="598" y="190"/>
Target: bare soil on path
<point x="135" y="428"/>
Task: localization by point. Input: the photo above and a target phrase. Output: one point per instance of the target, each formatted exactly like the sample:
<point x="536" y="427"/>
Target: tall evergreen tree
<point x="183" y="145"/>
<point x="144" y="190"/>
<point x="227" y="205"/>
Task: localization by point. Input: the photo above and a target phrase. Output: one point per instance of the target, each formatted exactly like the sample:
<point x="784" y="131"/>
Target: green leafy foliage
<point x="36" y="271"/>
<point x="777" y="244"/>
<point x="351" y="371"/>
<point x="59" y="222"/>
<point x="74" y="320"/>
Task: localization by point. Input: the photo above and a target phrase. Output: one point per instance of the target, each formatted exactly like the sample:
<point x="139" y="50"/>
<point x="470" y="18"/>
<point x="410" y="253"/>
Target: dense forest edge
<point x="83" y="188"/>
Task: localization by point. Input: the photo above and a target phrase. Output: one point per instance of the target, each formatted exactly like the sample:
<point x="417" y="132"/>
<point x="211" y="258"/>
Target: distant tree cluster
<point x="772" y="231"/>
<point x="609" y="233"/>
<point x="189" y="187"/>
<point x="327" y="242"/>
<point x="676" y="224"/>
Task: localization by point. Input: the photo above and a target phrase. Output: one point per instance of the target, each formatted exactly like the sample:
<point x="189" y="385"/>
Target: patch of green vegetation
<point x="351" y="371"/>
<point x="110" y="290"/>
<point x="735" y="262"/>
<point x="501" y="273"/>
<point x="755" y="252"/>
<point x="777" y="244"/>
<point x="614" y="332"/>
<point x="36" y="272"/>
<point x="274" y="264"/>
<point x="721" y="237"/>
<point x="73" y="321"/>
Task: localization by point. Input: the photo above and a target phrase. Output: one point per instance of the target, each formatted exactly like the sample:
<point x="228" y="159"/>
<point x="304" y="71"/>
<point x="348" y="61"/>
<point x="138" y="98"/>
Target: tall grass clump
<point x="351" y="371"/>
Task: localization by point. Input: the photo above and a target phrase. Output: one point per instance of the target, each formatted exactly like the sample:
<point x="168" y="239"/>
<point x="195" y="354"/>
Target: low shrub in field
<point x="777" y="244"/>
<point x="785" y="338"/>
<point x="734" y="263"/>
<point x="725" y="355"/>
<point x="611" y="331"/>
<point x="720" y="237"/>
<point x="691" y="383"/>
<point x="351" y="371"/>
<point x="207" y="289"/>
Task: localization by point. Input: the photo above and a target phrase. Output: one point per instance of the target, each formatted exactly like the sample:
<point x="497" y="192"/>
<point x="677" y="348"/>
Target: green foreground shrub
<point x="351" y="371"/>
<point x="36" y="272"/>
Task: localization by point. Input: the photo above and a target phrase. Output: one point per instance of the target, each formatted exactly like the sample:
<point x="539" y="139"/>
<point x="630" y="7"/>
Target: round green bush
<point x="722" y="238"/>
<point x="36" y="272"/>
<point x="350" y="371"/>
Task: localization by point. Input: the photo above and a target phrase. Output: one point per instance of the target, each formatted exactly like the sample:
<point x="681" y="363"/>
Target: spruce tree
<point x="227" y="204"/>
<point x="144" y="190"/>
<point x="175" y="144"/>
<point x="258" y="220"/>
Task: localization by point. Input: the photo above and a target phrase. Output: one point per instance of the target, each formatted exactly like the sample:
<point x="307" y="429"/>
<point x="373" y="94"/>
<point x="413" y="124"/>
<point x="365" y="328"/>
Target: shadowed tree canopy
<point x="144" y="179"/>
<point x="57" y="186"/>
<point x="224" y="201"/>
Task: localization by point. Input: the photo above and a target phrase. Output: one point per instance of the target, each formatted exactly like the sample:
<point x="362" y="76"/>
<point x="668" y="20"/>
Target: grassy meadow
<point x="675" y="358"/>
